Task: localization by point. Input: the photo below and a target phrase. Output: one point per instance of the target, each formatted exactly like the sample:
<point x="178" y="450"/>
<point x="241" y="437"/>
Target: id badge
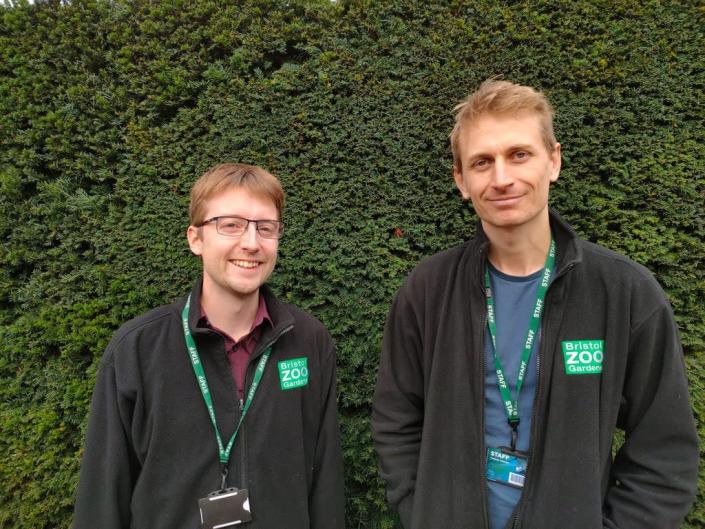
<point x="225" y="508"/>
<point x="506" y="467"/>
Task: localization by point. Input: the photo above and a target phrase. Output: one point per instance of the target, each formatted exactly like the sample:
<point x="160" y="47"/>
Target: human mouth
<point x="505" y="201"/>
<point x="245" y="264"/>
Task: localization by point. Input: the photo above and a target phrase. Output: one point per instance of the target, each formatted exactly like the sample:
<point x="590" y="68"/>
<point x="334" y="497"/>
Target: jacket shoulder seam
<point x="129" y="328"/>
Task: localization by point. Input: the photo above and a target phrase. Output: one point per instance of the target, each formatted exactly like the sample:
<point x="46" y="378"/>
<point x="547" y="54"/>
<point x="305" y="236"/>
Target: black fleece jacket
<point x="151" y="452"/>
<point x="428" y="406"/>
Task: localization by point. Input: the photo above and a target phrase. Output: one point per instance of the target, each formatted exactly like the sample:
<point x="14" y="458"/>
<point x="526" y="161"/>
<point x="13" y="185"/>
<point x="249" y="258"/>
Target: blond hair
<point x="225" y="176"/>
<point x="502" y="98"/>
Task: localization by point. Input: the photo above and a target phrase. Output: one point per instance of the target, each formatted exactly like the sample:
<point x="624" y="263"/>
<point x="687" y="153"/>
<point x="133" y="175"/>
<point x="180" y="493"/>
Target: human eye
<point x="267" y="228"/>
<point x="521" y="155"/>
<point x="480" y="164"/>
<point x="232" y="225"/>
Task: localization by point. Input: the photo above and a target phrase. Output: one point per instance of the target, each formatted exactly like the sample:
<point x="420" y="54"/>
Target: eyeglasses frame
<point x="256" y="222"/>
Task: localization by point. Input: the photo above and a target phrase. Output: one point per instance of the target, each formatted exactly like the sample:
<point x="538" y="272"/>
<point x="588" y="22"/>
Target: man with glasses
<point x="508" y="362"/>
<point x="218" y="410"/>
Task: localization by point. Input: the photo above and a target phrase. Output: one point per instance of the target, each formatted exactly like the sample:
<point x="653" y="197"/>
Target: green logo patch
<point x="293" y="373"/>
<point x="583" y="357"/>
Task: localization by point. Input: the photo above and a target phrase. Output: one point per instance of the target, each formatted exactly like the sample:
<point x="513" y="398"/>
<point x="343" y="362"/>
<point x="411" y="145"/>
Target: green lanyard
<point x="205" y="390"/>
<point x="512" y="405"/>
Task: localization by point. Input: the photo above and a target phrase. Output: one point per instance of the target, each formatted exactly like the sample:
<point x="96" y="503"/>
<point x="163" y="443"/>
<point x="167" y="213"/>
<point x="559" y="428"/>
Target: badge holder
<point x="506" y="466"/>
<point x="224" y="508"/>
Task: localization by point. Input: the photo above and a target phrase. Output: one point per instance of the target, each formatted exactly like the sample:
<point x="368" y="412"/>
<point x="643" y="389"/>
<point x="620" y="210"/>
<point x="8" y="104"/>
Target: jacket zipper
<point x="241" y="404"/>
<point x="534" y="425"/>
<point x="483" y="448"/>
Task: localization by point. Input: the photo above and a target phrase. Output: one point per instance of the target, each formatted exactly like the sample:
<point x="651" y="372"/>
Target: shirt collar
<point x="261" y="316"/>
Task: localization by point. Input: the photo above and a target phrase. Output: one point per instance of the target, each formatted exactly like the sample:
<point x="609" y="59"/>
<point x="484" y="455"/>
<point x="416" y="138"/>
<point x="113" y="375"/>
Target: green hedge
<point x="110" y="109"/>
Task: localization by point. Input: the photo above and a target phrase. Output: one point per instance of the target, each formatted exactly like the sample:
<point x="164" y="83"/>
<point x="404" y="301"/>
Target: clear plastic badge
<point x="505" y="466"/>
<point x="225" y="508"/>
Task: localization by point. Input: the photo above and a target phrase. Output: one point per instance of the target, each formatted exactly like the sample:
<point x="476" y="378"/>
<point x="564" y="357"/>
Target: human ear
<point x="459" y="182"/>
<point x="555" y="162"/>
<point x="193" y="235"/>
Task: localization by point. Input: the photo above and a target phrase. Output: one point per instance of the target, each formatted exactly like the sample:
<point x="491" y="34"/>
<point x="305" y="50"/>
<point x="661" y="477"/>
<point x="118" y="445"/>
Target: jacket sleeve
<point x="397" y="412"/>
<point x="108" y="469"/>
<point x="327" y="496"/>
<point x="654" y="474"/>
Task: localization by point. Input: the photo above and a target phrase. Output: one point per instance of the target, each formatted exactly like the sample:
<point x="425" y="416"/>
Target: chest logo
<point x="293" y="373"/>
<point x="583" y="357"/>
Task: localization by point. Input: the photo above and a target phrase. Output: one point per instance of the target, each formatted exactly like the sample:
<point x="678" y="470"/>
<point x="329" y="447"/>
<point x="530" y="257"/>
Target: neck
<point x="229" y="312"/>
<point x="518" y="251"/>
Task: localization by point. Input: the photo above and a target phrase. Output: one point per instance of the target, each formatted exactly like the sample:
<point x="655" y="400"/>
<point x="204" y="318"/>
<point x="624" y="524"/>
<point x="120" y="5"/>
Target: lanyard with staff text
<point x="512" y="405"/>
<point x="224" y="451"/>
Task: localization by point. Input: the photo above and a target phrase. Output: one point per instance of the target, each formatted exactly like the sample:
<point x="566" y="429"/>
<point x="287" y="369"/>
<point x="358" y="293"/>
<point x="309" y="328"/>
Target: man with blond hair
<point x="509" y="362"/>
<point x="218" y="410"/>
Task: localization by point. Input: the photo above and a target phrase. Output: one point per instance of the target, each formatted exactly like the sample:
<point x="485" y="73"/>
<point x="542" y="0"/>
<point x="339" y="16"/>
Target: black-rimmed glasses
<point x="233" y="226"/>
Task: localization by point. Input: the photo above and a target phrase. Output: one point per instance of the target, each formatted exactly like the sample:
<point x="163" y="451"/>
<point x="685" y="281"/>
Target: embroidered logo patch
<point x="583" y="357"/>
<point x="293" y="373"/>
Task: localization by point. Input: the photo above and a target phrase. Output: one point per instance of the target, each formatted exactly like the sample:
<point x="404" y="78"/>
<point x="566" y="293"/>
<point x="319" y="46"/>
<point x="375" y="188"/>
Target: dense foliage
<point x="110" y="109"/>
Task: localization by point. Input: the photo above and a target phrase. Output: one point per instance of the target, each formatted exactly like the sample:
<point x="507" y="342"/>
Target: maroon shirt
<point x="239" y="352"/>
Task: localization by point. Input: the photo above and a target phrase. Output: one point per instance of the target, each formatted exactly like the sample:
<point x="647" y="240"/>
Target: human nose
<point x="502" y="176"/>
<point x="249" y="238"/>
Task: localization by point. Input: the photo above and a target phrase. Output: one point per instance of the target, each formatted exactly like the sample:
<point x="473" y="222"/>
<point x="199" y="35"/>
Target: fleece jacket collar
<point x="569" y="252"/>
<point x="281" y="317"/>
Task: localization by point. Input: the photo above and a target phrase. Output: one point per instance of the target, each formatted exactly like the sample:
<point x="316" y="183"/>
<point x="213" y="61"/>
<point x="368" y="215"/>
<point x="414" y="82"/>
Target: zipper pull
<point x="242" y="404"/>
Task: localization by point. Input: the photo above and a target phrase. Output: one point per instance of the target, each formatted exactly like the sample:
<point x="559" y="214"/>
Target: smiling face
<point x="506" y="170"/>
<point x="235" y="266"/>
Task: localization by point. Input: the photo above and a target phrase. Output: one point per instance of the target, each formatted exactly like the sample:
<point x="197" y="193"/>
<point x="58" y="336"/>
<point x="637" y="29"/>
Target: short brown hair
<point x="224" y="176"/>
<point x="502" y="98"/>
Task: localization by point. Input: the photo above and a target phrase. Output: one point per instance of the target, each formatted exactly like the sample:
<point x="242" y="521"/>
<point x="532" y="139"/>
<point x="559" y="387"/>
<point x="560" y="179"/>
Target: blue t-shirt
<point x="514" y="300"/>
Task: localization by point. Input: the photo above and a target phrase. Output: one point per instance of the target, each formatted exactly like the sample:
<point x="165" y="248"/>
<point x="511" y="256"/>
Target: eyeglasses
<point x="232" y="226"/>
